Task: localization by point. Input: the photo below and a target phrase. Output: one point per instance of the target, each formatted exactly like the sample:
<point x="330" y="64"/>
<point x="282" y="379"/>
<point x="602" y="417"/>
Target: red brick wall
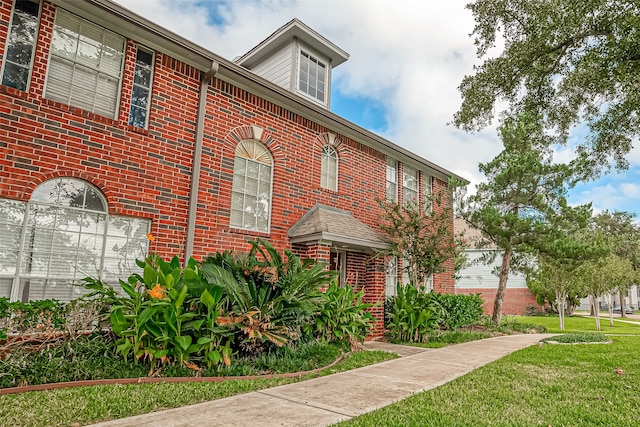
<point x="143" y="173"/>
<point x="515" y="300"/>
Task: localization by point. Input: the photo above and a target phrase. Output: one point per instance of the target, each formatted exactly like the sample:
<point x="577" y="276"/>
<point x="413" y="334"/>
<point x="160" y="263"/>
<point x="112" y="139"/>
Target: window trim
<point x="16" y="291"/>
<point x="395" y="183"/>
<point x="392" y="263"/>
<point x="272" y="166"/>
<point x="427" y="184"/>
<point x="35" y="45"/>
<point x="324" y="173"/>
<point x="303" y="50"/>
<point x="118" y="99"/>
<point x="416" y="190"/>
<point x="150" y="88"/>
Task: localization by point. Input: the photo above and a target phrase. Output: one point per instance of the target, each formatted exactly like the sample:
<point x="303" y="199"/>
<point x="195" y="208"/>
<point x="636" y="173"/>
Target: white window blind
<point x="85" y="68"/>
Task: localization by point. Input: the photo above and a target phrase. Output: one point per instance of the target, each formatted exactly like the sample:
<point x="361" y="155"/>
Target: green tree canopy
<point x="572" y="61"/>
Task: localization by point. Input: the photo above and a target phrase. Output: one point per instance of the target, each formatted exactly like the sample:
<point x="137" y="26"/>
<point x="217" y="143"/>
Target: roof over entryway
<point x="337" y="226"/>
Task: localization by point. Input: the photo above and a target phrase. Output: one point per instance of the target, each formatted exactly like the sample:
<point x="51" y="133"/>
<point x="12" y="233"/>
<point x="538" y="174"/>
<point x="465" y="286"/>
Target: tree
<point x="573" y="62"/>
<point x="603" y="276"/>
<point x="622" y="236"/>
<point x="523" y="190"/>
<point x="558" y="259"/>
<point x="422" y="237"/>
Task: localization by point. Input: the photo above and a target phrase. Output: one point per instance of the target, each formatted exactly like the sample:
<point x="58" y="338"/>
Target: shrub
<point x="459" y="310"/>
<point x="83" y="357"/>
<point x="268" y="300"/>
<point x="18" y="317"/>
<point x="343" y="316"/>
<point x="414" y="314"/>
<point x="578" y="337"/>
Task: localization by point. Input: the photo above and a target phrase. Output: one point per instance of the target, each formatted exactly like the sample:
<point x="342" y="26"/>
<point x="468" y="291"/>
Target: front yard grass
<point x="87" y="405"/>
<point x="582" y="324"/>
<point x="548" y="385"/>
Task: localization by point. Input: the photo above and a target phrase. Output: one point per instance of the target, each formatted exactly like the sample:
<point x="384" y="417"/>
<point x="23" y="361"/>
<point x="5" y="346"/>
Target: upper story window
<point x="312" y="77"/>
<point x="392" y="180"/>
<point x="140" y="97"/>
<point x="21" y="41"/>
<point x="85" y="68"/>
<point x="251" y="192"/>
<point x="409" y="185"/>
<point x="63" y="234"/>
<point x="329" y="169"/>
<point x="427" y="189"/>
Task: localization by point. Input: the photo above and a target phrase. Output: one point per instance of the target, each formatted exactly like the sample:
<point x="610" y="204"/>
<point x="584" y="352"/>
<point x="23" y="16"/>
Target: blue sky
<point x="407" y="58"/>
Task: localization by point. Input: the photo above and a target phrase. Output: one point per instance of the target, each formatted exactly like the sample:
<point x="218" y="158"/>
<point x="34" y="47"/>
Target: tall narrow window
<point x="392" y="180"/>
<point x="427" y="189"/>
<point x="312" y="77"/>
<point x="140" y="97"/>
<point x="63" y="234"/>
<point x="329" y="172"/>
<point x="21" y="42"/>
<point x="409" y="185"/>
<point x="85" y="69"/>
<point x="251" y="192"/>
<point x="391" y="279"/>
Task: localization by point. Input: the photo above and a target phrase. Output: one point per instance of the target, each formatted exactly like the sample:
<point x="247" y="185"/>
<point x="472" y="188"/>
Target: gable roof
<point x="337" y="226"/>
<point x="294" y="29"/>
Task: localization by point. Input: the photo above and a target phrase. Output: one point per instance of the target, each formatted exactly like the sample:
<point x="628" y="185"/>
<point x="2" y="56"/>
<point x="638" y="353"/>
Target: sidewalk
<point x="326" y="400"/>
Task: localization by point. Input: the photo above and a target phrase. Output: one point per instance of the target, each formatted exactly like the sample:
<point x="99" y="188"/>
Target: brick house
<point x="480" y="278"/>
<point x="113" y="128"/>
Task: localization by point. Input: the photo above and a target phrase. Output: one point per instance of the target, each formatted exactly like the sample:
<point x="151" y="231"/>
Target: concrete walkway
<point x="326" y="400"/>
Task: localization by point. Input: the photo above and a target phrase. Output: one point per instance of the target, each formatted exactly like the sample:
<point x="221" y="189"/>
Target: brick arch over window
<point x="330" y="139"/>
<point x="243" y="133"/>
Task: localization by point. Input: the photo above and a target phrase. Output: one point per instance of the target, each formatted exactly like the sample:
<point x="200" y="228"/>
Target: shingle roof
<point x="337" y="226"/>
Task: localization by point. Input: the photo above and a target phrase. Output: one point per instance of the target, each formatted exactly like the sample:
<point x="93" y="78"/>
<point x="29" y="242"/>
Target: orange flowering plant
<point x="168" y="315"/>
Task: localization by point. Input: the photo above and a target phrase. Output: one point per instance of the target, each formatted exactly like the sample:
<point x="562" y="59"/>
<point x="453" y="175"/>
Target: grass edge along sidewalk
<point x="576" y="385"/>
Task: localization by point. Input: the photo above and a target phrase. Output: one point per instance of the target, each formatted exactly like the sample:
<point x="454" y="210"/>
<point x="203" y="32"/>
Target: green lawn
<point x="86" y="405"/>
<point x="547" y="385"/>
<point x="581" y="324"/>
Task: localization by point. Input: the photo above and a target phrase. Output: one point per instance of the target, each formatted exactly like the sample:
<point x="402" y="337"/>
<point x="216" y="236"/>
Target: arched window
<point x="329" y="169"/>
<point x="251" y="193"/>
<point x="63" y="234"/>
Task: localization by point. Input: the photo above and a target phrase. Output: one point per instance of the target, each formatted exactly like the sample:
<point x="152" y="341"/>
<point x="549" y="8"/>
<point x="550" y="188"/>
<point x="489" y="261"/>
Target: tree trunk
<point x="560" y="303"/>
<point x="593" y="299"/>
<point x="610" y="304"/>
<point x="502" y="286"/>
<point x="623" y="304"/>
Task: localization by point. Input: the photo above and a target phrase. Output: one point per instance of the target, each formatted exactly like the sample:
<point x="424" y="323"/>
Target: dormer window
<point x="298" y="59"/>
<point x="312" y="77"/>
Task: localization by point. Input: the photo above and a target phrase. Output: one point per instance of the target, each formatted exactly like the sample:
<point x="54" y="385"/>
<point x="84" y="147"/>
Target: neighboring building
<point x="478" y="277"/>
<point x="112" y="128"/>
<point x="632" y="299"/>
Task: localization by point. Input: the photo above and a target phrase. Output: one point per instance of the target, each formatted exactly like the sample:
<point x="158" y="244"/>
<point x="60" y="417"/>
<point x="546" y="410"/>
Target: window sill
<point x="17" y="93"/>
<point x="79" y="111"/>
<point x="136" y="129"/>
<point x="326" y="190"/>
<point x="254" y="233"/>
